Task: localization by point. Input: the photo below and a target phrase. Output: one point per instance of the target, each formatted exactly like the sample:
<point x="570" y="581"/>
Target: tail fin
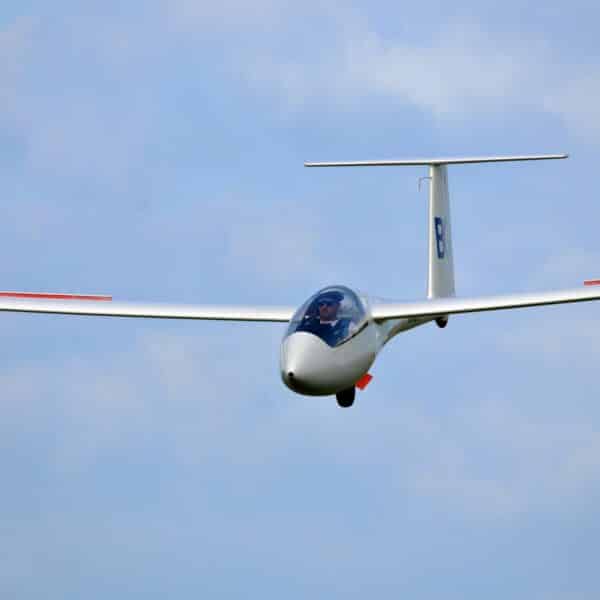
<point x="440" y="282"/>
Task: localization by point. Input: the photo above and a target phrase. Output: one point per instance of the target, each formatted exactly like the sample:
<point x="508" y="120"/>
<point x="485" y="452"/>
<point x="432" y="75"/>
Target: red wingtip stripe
<point x="592" y="282"/>
<point x="43" y="296"/>
<point x="364" y="381"/>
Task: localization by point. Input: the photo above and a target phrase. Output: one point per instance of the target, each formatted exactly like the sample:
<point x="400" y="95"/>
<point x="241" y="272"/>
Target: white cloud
<point x="273" y="250"/>
<point x="190" y="388"/>
<point x="570" y="268"/>
<point x="575" y="101"/>
<point x="546" y="459"/>
<point x="206" y="17"/>
<point x="455" y="71"/>
<point x="15" y="43"/>
<point x="96" y="406"/>
<point x="556" y="337"/>
<point x="200" y="400"/>
<point x="458" y="70"/>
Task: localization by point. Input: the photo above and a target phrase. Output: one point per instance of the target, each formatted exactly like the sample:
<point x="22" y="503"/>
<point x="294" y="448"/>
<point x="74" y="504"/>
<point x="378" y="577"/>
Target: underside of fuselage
<point x="310" y="367"/>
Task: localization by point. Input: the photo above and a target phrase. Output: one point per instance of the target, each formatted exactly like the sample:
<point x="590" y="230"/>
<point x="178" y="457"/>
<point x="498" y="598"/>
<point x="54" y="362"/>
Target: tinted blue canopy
<point x="333" y="314"/>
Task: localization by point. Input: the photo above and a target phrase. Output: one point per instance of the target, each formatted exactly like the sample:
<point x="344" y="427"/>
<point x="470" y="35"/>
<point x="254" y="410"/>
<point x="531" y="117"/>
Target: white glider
<point x="334" y="337"/>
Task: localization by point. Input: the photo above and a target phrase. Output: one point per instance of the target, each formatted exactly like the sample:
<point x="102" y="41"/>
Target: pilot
<point x="323" y="319"/>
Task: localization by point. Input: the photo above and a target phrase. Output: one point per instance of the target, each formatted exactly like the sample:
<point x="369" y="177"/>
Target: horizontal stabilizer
<point x="451" y="306"/>
<point x="435" y="161"/>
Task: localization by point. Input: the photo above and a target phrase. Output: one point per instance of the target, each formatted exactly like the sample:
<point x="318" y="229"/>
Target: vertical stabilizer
<point x="440" y="282"/>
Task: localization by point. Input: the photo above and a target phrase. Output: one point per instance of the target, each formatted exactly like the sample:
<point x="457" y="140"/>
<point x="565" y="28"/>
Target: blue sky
<point x="155" y="153"/>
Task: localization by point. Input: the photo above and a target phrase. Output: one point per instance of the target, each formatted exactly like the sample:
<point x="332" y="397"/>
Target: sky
<point x="154" y="152"/>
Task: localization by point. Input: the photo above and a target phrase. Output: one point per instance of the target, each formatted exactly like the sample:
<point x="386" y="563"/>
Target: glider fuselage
<point x="323" y="356"/>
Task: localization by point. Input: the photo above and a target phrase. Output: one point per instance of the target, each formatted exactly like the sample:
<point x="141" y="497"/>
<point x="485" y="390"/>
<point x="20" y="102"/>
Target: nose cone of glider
<point x="309" y="366"/>
<point x="304" y="359"/>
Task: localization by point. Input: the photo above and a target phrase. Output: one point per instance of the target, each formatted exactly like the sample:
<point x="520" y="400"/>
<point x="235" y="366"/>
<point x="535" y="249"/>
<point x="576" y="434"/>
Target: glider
<point x="334" y="337"/>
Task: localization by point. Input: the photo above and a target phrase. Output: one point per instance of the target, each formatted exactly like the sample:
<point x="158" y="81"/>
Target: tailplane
<point x="440" y="281"/>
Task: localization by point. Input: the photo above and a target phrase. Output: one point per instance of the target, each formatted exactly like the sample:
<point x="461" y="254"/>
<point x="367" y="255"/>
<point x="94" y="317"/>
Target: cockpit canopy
<point x="334" y="314"/>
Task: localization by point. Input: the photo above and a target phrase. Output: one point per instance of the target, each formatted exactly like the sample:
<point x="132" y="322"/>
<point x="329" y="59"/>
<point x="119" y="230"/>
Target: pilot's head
<point x="328" y="304"/>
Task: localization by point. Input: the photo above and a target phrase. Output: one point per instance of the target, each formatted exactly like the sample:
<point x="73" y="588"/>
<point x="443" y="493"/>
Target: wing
<point x="102" y="306"/>
<point x="382" y="311"/>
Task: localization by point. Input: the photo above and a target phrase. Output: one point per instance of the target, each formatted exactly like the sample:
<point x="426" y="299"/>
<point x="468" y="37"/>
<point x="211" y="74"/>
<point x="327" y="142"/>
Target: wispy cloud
<point x="576" y="337"/>
<point x="451" y="73"/>
<point x="575" y="101"/>
<point x="230" y="15"/>
<point x="16" y="42"/>
<point x="185" y="395"/>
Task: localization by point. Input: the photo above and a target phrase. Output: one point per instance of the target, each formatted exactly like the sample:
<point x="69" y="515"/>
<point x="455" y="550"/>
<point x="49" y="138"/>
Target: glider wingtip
<point x="55" y="296"/>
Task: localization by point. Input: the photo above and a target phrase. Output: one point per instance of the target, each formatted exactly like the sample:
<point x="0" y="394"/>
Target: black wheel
<point x="345" y="398"/>
<point x="442" y="322"/>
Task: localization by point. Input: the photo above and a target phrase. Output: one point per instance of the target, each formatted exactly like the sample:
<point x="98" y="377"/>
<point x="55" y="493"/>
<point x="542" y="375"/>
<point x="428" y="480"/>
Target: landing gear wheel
<point x="345" y="398"/>
<point x="442" y="322"/>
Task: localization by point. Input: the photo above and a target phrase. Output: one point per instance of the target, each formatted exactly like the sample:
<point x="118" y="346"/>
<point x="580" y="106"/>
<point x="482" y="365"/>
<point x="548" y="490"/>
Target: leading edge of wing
<point x="383" y="311"/>
<point x="150" y="311"/>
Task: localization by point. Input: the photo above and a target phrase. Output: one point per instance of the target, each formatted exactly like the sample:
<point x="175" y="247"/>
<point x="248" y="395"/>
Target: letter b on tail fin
<point x="440" y="237"/>
<point x="441" y="265"/>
